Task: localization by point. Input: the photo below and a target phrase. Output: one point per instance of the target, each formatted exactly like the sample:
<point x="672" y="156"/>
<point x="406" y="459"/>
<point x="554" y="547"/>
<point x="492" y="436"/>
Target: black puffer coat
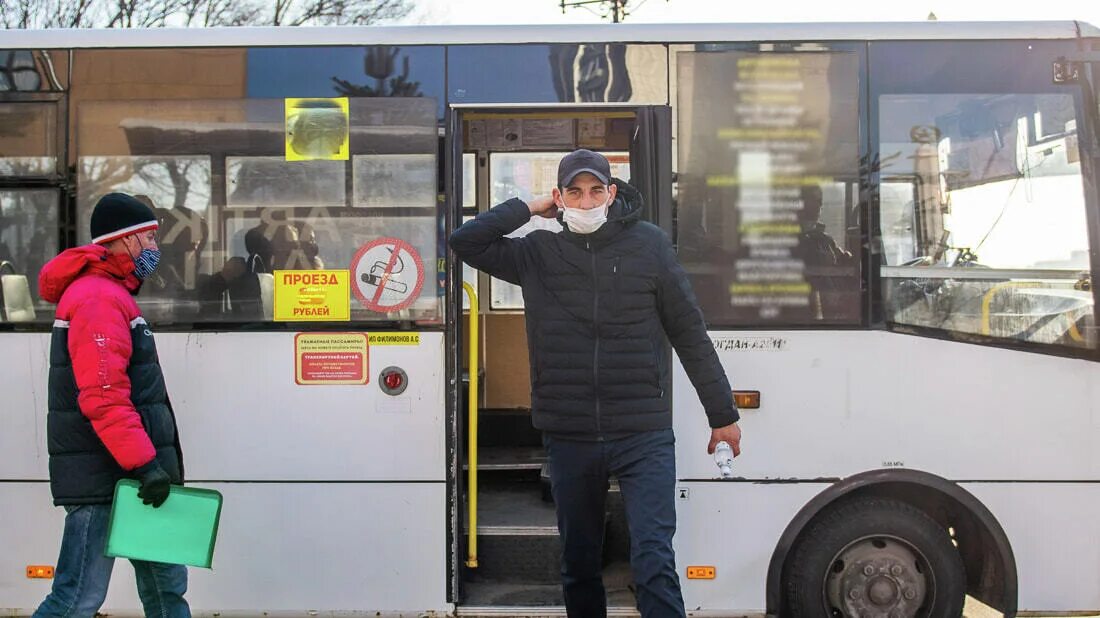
<point x="599" y="307"/>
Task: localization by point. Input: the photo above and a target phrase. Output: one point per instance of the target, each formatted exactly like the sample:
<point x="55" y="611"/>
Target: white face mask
<point x="581" y="221"/>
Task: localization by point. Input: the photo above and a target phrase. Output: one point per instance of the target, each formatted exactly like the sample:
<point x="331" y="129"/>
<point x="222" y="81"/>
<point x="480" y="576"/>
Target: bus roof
<point x="574" y="33"/>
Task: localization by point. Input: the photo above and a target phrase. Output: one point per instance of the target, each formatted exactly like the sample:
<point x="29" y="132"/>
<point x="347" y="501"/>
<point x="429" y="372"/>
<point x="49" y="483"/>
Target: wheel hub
<point x="882" y="591"/>
<point x="877" y="578"/>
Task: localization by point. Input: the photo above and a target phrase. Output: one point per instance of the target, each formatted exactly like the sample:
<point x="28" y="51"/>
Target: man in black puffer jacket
<point x="601" y="297"/>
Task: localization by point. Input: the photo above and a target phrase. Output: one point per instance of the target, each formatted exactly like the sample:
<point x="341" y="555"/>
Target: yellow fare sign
<point x="312" y="296"/>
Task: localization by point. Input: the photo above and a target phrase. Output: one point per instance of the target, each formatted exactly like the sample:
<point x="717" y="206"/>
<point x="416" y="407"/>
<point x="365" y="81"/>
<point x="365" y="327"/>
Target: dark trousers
<point x="645" y="465"/>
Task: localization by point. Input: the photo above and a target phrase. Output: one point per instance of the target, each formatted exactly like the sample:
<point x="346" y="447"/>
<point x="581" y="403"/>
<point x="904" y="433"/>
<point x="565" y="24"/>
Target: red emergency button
<point x="393" y="380"/>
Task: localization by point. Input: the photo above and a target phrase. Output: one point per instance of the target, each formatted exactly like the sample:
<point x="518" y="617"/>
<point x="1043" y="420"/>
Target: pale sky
<point x="657" y="11"/>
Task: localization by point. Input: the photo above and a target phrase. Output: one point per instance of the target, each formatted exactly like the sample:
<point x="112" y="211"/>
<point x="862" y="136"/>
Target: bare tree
<point x="206" y="13"/>
<point x="615" y="10"/>
<point x="336" y="12"/>
<point x="154" y="13"/>
<point x="49" y="13"/>
<point x="142" y="13"/>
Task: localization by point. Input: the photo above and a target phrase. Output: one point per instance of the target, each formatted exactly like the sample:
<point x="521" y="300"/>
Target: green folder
<point x="182" y="531"/>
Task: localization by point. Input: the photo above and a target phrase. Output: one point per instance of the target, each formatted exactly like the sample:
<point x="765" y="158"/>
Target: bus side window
<point x="767" y="186"/>
<point x="983" y="228"/>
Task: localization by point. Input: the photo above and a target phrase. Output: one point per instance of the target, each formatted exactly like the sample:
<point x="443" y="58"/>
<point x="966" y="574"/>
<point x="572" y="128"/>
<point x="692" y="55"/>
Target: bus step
<point x="517" y="534"/>
<point x="513" y="505"/>
<point x="508" y="458"/>
<point x="518" y="539"/>
<point x="506" y="427"/>
<point x="485" y="596"/>
<point x="519" y="556"/>
<point x="521" y="611"/>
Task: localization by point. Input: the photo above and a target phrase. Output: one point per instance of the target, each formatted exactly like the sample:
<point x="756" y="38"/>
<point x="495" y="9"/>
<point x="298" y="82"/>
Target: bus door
<point x="496" y="154"/>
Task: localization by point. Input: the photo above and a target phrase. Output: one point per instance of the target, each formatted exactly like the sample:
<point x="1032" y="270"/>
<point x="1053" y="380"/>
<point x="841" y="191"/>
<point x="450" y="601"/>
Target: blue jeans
<point x="83" y="572"/>
<point x="645" y="464"/>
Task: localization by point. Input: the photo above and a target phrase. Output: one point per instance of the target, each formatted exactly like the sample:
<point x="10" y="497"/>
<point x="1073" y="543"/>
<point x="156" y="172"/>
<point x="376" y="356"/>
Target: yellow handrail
<point x="471" y="429"/>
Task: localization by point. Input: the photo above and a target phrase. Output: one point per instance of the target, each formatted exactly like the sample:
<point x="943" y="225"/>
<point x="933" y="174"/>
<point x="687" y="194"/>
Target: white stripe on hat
<point x="126" y="231"/>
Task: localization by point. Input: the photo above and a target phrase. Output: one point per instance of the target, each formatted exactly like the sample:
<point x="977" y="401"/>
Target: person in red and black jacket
<point x="109" y="415"/>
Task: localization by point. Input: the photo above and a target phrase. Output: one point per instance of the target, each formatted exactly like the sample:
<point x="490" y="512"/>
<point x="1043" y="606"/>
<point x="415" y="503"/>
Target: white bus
<point x="891" y="229"/>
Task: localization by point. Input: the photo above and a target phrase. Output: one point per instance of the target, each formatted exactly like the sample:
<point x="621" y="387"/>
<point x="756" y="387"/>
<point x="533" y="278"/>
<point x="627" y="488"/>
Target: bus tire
<point x="874" y="557"/>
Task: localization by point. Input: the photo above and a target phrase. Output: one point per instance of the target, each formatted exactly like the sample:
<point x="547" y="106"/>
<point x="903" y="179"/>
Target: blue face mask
<point x="146" y="262"/>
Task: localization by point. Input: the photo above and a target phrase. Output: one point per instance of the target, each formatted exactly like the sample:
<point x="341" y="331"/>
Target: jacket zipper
<point x="596" y="325"/>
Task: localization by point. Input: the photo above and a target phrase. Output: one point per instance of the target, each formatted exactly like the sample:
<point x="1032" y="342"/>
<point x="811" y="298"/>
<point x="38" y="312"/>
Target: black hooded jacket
<point x="599" y="307"/>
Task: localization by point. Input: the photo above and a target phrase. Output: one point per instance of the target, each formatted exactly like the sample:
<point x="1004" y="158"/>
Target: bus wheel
<point x="874" y="557"/>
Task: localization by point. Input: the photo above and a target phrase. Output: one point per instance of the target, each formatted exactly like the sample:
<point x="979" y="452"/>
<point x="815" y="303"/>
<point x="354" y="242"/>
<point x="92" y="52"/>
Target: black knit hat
<point x="117" y="215"/>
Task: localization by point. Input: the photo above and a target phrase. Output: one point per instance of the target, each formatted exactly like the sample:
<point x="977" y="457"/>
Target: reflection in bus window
<point x="253" y="182"/>
<point x="178" y="191"/>
<point x="239" y="211"/>
<point x="983" y="217"/>
<point x="28" y="139"/>
<point x="403" y="180"/>
<point x="371" y="71"/>
<point x="23" y="70"/>
<point x="559" y="73"/>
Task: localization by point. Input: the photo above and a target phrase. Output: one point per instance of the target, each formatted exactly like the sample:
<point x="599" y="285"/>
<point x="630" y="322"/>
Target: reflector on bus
<point x="39" y="571"/>
<point x="747" y="400"/>
<point x="701" y="572"/>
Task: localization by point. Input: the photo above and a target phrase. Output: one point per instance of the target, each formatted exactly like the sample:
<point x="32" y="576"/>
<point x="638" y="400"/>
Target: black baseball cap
<point x="581" y="161"/>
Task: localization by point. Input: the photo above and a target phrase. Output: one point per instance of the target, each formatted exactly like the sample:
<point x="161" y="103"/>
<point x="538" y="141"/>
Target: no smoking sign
<point x="387" y="275"/>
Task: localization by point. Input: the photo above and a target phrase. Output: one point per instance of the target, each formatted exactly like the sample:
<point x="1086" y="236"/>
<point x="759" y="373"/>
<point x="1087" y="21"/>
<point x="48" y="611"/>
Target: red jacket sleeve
<point x="100" y="348"/>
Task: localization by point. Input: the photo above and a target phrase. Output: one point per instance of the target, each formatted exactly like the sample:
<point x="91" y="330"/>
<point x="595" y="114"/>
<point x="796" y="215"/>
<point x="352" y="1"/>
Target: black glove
<point x="154" y="483"/>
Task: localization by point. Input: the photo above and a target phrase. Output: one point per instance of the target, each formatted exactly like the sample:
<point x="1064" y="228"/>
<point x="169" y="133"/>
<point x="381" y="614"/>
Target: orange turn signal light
<point x="701" y="572"/>
<point x="747" y="400"/>
<point x="39" y="571"/>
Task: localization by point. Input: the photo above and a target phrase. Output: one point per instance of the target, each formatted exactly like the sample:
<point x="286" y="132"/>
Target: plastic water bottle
<point x="723" y="456"/>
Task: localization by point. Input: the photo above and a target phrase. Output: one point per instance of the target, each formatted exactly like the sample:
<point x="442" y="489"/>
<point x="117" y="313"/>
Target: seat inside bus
<point x="18" y="302"/>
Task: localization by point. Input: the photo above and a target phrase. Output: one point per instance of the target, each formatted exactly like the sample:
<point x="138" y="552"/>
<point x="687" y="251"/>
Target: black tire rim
<point x="879" y="576"/>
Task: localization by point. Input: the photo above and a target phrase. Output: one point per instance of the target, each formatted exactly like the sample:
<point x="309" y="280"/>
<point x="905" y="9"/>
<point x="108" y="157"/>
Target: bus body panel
<point x="734" y="527"/>
<point x="336" y="495"/>
<point x="23" y="383"/>
<point x="281" y="546"/>
<point x="1054" y="539"/>
<point x="835" y="403"/>
<point x="248" y="420"/>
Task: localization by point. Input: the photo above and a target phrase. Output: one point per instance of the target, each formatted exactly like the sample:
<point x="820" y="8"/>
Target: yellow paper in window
<point x="317" y="129"/>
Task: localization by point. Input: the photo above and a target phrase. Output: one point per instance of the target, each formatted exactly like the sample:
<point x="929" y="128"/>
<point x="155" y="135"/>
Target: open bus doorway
<point x="507" y="153"/>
